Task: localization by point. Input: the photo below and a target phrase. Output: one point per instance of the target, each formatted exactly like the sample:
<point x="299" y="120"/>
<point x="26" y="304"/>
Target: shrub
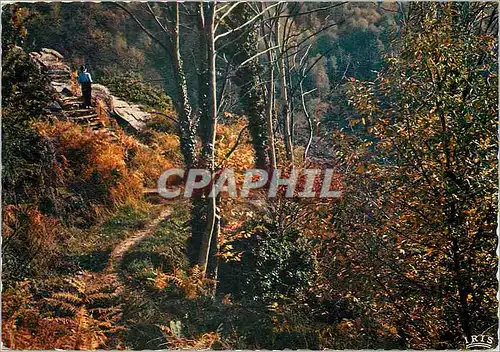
<point x="151" y="161"/>
<point x="275" y="266"/>
<point x="94" y="168"/>
<point x="131" y="87"/>
<point x="26" y="157"/>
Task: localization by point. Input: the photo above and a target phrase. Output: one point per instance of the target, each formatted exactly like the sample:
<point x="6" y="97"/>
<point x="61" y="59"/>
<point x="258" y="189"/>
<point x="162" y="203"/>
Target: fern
<point x="86" y="314"/>
<point x="66" y="296"/>
<point x="193" y="284"/>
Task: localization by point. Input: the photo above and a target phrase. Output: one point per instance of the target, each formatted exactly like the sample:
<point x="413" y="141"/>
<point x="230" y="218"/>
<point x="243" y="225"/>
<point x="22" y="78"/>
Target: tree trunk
<point x="250" y="94"/>
<point x="269" y="116"/>
<point x="203" y="78"/>
<point x="208" y="152"/>
<point x="309" y="120"/>
<point x="198" y="222"/>
<point x="213" y="263"/>
<point x="285" y="106"/>
<point x="268" y="42"/>
<point x="183" y="107"/>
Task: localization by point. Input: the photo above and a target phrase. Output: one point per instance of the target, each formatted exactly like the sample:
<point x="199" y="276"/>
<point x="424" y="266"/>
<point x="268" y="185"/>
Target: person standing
<point x="85" y="80"/>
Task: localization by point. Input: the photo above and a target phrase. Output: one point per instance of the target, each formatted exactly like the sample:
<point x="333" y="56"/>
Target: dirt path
<point x="118" y="252"/>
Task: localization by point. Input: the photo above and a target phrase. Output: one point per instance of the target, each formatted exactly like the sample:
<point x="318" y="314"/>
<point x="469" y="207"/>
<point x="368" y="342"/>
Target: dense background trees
<point x="429" y="122"/>
<point x="400" y="100"/>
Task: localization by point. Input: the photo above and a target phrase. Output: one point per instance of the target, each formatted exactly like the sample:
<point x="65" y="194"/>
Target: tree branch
<point x="312" y="11"/>
<point x="247" y="22"/>
<point x="238" y="140"/>
<point x="163" y="45"/>
<point x="157" y="19"/>
<point x="165" y="115"/>
<point x="256" y="55"/>
<point x="226" y="13"/>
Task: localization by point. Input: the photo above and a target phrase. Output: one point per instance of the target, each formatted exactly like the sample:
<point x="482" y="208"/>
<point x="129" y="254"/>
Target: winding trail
<point x="118" y="252"/>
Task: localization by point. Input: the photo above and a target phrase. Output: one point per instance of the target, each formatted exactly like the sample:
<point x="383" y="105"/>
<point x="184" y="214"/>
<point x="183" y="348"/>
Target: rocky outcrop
<point x="51" y="63"/>
<point x="102" y="93"/>
<point x="53" y="53"/>
<point x="132" y="114"/>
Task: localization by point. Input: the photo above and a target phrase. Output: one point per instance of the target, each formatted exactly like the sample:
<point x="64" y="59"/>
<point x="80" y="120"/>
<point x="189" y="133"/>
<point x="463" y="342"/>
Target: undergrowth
<point x="163" y="251"/>
<point x="79" y="312"/>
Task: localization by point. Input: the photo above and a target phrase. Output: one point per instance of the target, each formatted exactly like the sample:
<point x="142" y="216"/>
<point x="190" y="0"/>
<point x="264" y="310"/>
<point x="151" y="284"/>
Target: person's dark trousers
<point x="87" y="93"/>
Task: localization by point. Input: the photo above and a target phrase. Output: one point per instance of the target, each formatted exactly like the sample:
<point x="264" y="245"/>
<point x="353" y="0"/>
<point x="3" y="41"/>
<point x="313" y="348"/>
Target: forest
<point x="398" y="101"/>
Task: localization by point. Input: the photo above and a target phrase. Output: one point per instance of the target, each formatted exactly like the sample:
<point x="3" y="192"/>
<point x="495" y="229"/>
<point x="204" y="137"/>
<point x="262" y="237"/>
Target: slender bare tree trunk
<point x="268" y="42"/>
<point x="213" y="261"/>
<point x="285" y="106"/>
<point x="309" y="120"/>
<point x="269" y="116"/>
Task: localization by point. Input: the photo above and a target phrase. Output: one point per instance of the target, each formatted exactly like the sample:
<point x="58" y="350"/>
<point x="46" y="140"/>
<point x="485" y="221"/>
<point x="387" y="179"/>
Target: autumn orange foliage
<point x="80" y="316"/>
<point x="40" y="237"/>
<point x="90" y="156"/>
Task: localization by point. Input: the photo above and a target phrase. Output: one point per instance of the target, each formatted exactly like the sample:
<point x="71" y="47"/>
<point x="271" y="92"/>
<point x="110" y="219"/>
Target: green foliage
<point x="164" y="250"/>
<point x="359" y="54"/>
<point x="95" y="34"/>
<point x="25" y="95"/>
<point x="131" y="87"/>
<point x="126" y="218"/>
<point x="283" y="266"/>
<point x="14" y="21"/>
<point x="274" y="266"/>
<point x="176" y="328"/>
